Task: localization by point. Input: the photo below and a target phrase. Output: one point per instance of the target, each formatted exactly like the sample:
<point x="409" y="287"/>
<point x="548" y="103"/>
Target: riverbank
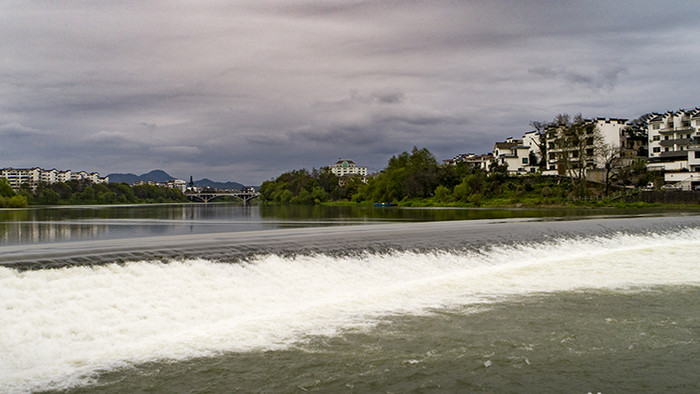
<point x="527" y="204"/>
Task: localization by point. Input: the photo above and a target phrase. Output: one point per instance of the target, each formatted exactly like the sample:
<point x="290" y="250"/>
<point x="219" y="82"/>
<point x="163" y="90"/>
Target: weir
<point x="512" y="290"/>
<point x="332" y="241"/>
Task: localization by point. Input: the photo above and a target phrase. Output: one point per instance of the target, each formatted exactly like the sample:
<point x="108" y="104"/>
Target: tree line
<point x="417" y="178"/>
<point x="76" y="192"/>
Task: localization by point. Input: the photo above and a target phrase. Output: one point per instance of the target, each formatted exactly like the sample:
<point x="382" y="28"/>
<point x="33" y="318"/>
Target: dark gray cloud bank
<point x="244" y="90"/>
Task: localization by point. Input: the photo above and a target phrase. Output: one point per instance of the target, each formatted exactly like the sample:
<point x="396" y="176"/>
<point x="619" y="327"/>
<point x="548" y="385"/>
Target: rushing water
<point x="397" y="302"/>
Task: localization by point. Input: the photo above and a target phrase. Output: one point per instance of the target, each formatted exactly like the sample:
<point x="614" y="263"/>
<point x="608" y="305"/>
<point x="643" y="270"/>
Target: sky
<point x="244" y="90"/>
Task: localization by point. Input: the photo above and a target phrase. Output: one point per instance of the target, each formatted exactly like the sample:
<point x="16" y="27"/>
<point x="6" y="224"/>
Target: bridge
<point x="207" y="195"/>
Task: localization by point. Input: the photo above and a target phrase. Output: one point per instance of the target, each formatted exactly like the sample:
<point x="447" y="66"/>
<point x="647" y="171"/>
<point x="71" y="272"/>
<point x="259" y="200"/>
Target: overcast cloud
<point x="245" y="90"/>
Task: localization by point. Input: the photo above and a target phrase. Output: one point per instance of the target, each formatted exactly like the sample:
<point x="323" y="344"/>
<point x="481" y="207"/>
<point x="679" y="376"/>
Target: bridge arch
<point x="207" y="196"/>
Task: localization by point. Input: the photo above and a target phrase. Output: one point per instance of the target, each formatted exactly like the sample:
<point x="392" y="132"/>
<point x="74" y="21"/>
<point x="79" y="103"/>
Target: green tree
<point x="87" y="195"/>
<point x="17" y="201"/>
<point x="407" y="175"/>
<point x="5" y="188"/>
<point x="442" y="194"/>
<point x="49" y="197"/>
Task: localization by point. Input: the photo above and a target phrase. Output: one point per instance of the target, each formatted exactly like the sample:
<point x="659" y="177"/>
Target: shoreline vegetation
<point x="412" y="179"/>
<point x="82" y="192"/>
<point x="416" y="179"/>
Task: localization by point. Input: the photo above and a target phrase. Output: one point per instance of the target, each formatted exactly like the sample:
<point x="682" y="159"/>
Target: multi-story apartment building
<point x="674" y="147"/>
<point x="694" y="150"/>
<point x="33" y="176"/>
<point x="17" y="176"/>
<point x="344" y="167"/>
<point x="609" y="130"/>
<point x="673" y="140"/>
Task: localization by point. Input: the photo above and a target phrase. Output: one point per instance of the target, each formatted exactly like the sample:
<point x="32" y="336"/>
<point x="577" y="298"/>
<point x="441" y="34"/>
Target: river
<point x="224" y="298"/>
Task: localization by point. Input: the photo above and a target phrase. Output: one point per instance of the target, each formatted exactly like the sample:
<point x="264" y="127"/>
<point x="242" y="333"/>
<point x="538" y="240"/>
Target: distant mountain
<point x="155" y="176"/>
<point x="162" y="176"/>
<point x="123" y="178"/>
<point x="218" y="185"/>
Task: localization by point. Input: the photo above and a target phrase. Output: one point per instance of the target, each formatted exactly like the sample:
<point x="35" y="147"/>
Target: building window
<point x="524" y="160"/>
<point x="657" y="149"/>
<point x="656" y="126"/>
<point x="657" y="137"/>
<point x="697" y="154"/>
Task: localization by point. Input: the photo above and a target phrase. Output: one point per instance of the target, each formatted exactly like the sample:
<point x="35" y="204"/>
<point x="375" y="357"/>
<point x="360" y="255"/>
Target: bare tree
<point x="611" y="157"/>
<point x="576" y="143"/>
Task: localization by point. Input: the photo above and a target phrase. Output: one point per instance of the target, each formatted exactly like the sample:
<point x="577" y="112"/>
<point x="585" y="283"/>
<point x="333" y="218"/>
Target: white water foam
<point x="59" y="327"/>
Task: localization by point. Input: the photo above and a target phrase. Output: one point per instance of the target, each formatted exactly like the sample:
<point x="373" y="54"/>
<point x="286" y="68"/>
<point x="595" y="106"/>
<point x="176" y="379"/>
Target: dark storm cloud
<point x="244" y="89"/>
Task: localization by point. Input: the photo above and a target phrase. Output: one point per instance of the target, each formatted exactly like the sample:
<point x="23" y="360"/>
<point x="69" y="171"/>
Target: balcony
<point x="674" y="154"/>
<point x="667" y="130"/>
<point x="679" y="141"/>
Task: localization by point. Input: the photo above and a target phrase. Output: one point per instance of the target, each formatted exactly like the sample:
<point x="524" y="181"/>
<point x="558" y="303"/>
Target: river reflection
<point x="55" y="224"/>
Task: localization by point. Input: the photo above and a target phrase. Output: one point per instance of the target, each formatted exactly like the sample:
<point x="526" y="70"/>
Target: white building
<point x="33" y="176"/>
<point x="674" y="141"/>
<point x="17" y="176"/>
<point x="674" y="147"/>
<point x="610" y="130"/>
<point x="344" y="167"/>
<point x="477" y="161"/>
<point x="533" y="140"/>
<point x="177" y="184"/>
<point x="515" y="155"/>
<point x="694" y="149"/>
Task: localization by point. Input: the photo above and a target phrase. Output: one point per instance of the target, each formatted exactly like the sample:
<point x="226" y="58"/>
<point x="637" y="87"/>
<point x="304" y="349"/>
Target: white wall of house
<point x="532" y="139"/>
<point x="668" y="166"/>
<point x="515" y="155"/>
<point x="610" y="129"/>
<point x="683" y="180"/>
<point x="694" y="159"/>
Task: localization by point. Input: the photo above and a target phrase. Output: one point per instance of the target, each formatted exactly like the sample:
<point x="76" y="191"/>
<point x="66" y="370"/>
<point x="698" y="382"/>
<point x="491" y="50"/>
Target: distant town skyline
<point x="244" y="90"/>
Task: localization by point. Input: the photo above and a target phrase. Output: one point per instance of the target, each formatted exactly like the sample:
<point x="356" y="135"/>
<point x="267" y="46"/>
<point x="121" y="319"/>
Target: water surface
<point x="73" y="223"/>
<point x="373" y="301"/>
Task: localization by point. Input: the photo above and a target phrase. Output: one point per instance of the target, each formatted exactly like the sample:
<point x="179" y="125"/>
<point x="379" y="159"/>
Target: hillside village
<point x="596" y="149"/>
